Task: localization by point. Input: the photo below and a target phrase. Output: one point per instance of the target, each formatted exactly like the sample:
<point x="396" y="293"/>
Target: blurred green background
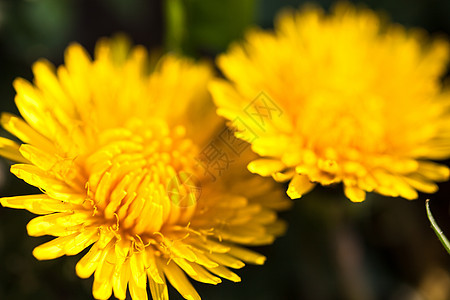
<point x="381" y="249"/>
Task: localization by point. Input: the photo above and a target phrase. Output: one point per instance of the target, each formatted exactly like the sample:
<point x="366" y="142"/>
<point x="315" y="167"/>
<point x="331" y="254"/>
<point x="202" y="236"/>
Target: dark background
<point x="383" y="248"/>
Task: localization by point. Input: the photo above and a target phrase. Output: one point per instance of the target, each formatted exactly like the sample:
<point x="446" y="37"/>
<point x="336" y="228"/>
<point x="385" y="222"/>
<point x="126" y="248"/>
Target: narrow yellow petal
<point x="210" y="245"/>
<point x="203" y="260"/>
<point x="225" y="273"/>
<point x="137" y="292"/>
<point x="54" y="187"/>
<point x="434" y="171"/>
<point x="102" y="287"/>
<point x="121" y="277"/>
<point x="29" y="100"/>
<point x="404" y="189"/>
<point x="265" y="167"/>
<point x="277" y="228"/>
<point x="271" y="146"/>
<point x="24" y="132"/>
<point x="180" y="282"/>
<point x="158" y="290"/>
<point x="354" y="193"/>
<point x="45" y="224"/>
<point x="247" y="255"/>
<point x="38" y="157"/>
<point x="80" y="242"/>
<point x="203" y="275"/>
<point x="137" y="267"/>
<point x="185" y="266"/>
<point x="183" y="251"/>
<point x="299" y="186"/>
<point x="37" y="204"/>
<point x="153" y="271"/>
<point x="422" y="184"/>
<point x="89" y="262"/>
<point x="53" y="249"/>
<point x="244" y="234"/>
<point x="48" y="83"/>
<point x="77" y="59"/>
<point x="226" y="260"/>
<point x="264" y="216"/>
<point x="10" y="150"/>
<point x="283" y="176"/>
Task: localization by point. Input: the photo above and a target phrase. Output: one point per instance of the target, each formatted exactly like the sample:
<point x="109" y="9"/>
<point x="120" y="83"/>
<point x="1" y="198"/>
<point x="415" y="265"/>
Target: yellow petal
<point x="121" y="277"/>
<point x="37" y="204"/>
<point x="137" y="292"/>
<point x="243" y="234"/>
<point x="434" y="171"/>
<point x="226" y="260"/>
<point x="32" y="106"/>
<point x="159" y="291"/>
<point x="210" y="245"/>
<point x="354" y="193"/>
<point x="153" y="271"/>
<point x="53" y="249"/>
<point x="272" y="146"/>
<point x="276" y="228"/>
<point x="205" y="261"/>
<point x="265" y="167"/>
<point x="404" y="189"/>
<point x="45" y="224"/>
<point x="89" y="262"/>
<point x="283" y="176"/>
<point x="10" y="150"/>
<point x="137" y="267"/>
<point x="200" y="274"/>
<point x="80" y="242"/>
<point x="422" y="184"/>
<point x="102" y="287"/>
<point x="38" y="157"/>
<point x="299" y="186"/>
<point x="180" y="282"/>
<point x="225" y="273"/>
<point x="183" y="251"/>
<point x="53" y="186"/>
<point x="24" y="132"/>
<point x="247" y="255"/>
<point x="48" y="83"/>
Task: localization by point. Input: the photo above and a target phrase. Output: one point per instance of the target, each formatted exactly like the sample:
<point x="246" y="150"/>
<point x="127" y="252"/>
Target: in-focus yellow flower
<point x="114" y="148"/>
<point x="340" y="98"/>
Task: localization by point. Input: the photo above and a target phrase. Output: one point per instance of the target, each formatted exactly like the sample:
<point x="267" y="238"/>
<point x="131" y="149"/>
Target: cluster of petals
<point x="116" y="142"/>
<point x="113" y="144"/>
<point x="340" y="98"/>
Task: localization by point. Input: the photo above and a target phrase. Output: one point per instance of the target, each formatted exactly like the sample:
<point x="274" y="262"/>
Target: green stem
<point x="436" y="228"/>
<point x="175" y="21"/>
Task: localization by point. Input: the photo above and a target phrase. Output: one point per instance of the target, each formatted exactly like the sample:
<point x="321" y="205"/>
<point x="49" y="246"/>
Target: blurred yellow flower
<point x="114" y="147"/>
<point x="340" y="98"/>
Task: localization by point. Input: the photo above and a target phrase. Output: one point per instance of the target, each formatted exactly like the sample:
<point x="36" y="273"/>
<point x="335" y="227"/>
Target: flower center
<point x="142" y="176"/>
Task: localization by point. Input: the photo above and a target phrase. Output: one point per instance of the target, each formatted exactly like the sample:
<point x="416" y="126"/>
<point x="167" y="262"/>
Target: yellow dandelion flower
<point x="113" y="148"/>
<point x="337" y="98"/>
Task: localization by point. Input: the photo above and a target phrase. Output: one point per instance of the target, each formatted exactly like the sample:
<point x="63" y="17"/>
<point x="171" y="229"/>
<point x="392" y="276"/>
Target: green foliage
<point x="37" y="26"/>
<point x="175" y="24"/>
<point x="212" y="25"/>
